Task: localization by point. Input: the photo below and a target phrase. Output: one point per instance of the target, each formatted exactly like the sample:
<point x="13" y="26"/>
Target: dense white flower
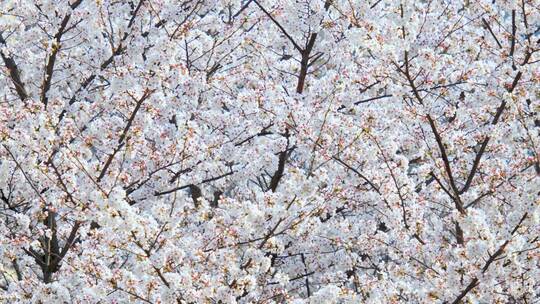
<point x="269" y="151"/>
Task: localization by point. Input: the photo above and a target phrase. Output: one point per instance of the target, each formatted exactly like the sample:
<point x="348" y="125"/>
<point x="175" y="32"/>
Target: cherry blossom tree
<point x="269" y="151"/>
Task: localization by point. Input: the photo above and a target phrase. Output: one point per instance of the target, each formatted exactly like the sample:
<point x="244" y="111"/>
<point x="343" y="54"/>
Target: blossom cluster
<point x="269" y="151"/>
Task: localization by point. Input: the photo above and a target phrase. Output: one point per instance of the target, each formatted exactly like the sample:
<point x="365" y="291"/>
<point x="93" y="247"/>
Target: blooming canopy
<point x="269" y="151"/>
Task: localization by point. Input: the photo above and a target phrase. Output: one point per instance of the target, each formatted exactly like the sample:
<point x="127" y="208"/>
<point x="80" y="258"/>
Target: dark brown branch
<point x="161" y="277"/>
<point x="442" y="186"/>
<point x="358" y="173"/>
<point x="14" y="73"/>
<point x="459" y="234"/>
<point x="513" y="38"/>
<point x="296" y="46"/>
<point x="304" y="63"/>
<point x="121" y="140"/>
<point x="62" y="183"/>
<point x="420" y="90"/>
<point x="196" y="193"/>
<point x="70" y="240"/>
<point x="485" y="142"/>
<point x="270" y="233"/>
<point x="491" y="31"/>
<point x="17" y="269"/>
<point x="475" y="166"/>
<point x="446" y="161"/>
<point x="306" y="275"/>
<point x="465" y="291"/>
<point x="51" y="257"/>
<point x="115" y="52"/>
<point x="181" y="23"/>
<point x="373" y="98"/>
<point x="189" y="185"/>
<point x="492" y="258"/>
<point x="26" y="177"/>
<point x="242" y="9"/>
<point x="50" y="260"/>
<point x="263" y="132"/>
<point x="274" y="182"/>
<point x="51" y="59"/>
<point x="375" y="4"/>
<point x="279" y="172"/>
<point x="217" y="196"/>
<point x="438" y="138"/>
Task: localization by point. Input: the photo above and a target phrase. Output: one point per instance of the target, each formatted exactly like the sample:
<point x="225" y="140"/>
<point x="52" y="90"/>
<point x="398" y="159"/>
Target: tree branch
<point x="14" y="72"/>
<point x="121" y="140"/>
<point x="51" y="59"/>
<point x="296" y="46"/>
